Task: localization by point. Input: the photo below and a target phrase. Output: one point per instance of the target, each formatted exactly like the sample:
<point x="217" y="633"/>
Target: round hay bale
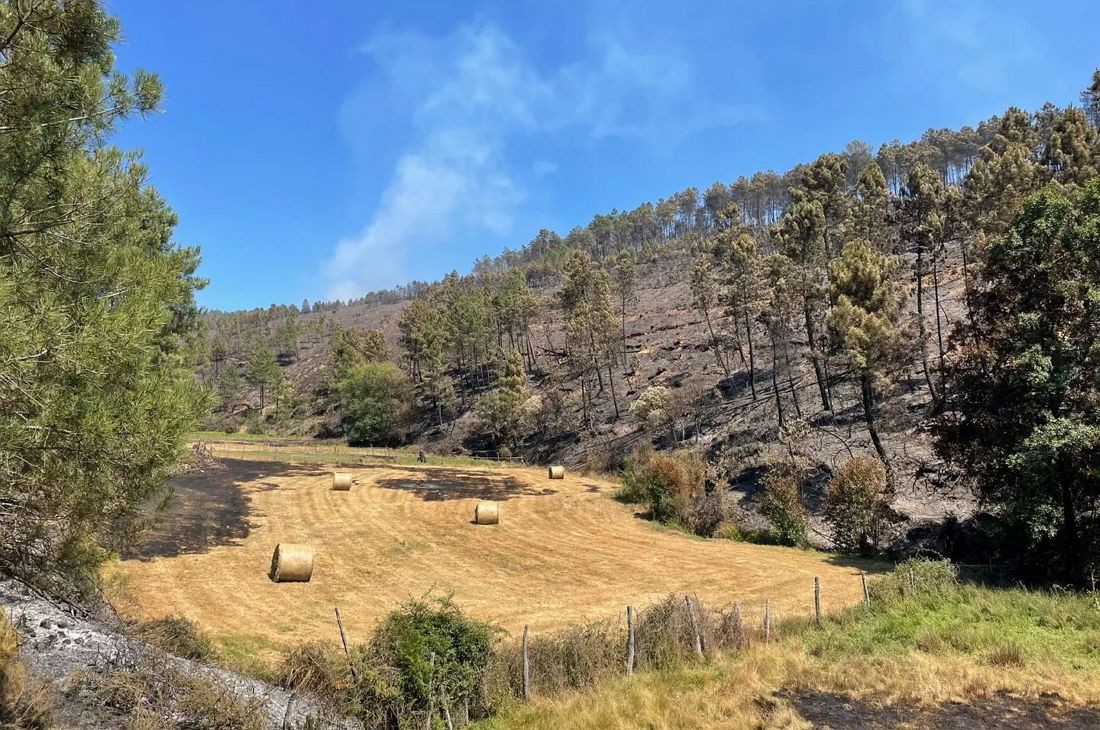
<point x="486" y="513"/>
<point x="291" y="563"/>
<point x="557" y="472"/>
<point x="341" y="481"/>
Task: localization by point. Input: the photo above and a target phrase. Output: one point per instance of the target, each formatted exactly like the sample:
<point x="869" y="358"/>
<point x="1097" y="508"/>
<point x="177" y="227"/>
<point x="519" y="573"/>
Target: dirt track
<point x="564" y="552"/>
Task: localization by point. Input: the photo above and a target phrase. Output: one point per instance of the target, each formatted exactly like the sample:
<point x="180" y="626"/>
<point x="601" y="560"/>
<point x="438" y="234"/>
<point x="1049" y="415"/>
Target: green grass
<point x="1052" y="628"/>
<point x="247" y="654"/>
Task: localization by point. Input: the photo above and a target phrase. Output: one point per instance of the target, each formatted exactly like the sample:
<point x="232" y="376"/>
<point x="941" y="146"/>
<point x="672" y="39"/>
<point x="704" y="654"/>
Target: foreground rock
<point x="65" y="650"/>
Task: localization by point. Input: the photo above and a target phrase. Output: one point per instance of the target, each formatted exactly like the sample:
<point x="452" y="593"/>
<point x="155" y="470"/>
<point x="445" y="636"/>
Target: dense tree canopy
<point x="95" y="299"/>
<point x="1026" y="419"/>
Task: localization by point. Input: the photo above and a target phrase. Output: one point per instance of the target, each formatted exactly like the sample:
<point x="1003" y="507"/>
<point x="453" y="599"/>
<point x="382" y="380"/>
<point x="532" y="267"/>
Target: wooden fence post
<point x="344" y="641"/>
<point x="866" y="593"/>
<point x="817" y="599"/>
<point x="526" y="667"/>
<point x="767" y="621"/>
<point x="694" y="627"/>
<point x="629" y="640"/>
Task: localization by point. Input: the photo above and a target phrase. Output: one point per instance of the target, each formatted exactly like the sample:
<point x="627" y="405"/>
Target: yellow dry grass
<point x="566" y="553"/>
<point x="739" y="691"/>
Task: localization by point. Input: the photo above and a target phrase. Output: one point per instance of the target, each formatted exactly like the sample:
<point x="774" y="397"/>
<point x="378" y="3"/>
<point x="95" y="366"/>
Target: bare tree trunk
<point x="869" y="413"/>
<point x="584" y="400"/>
<point x="790" y="380"/>
<point x="622" y="312"/>
<point x="714" y="343"/>
<point x="775" y="384"/>
<point x="752" y="356"/>
<point x="939" y="319"/>
<point x="922" y="329"/>
<point x="611" y="382"/>
<point x="811" y="341"/>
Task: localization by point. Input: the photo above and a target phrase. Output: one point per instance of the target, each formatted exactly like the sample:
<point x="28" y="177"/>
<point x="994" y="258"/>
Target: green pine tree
<point x="95" y="300"/>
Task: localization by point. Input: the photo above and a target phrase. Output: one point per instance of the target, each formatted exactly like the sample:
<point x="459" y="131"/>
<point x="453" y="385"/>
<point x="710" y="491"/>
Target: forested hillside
<point x="778" y="323"/>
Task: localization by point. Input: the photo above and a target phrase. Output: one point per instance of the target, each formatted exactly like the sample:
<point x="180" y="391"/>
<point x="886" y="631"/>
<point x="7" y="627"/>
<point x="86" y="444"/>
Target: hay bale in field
<point x="291" y="563"/>
<point x="557" y="472"/>
<point x="486" y="513"/>
<point x="341" y="481"/>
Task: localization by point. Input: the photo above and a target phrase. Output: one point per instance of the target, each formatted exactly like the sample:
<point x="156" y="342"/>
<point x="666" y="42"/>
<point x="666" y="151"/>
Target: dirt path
<point x="564" y="552"/>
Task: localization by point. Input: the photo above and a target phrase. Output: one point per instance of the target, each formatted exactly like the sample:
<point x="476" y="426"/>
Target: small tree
<point x="856" y="505"/>
<point x="375" y="399"/>
<point x="502" y="411"/>
<point x="287" y="334"/>
<point x="228" y="386"/>
<point x="654" y="411"/>
<point x="351" y="347"/>
<point x="263" y="371"/>
<point x="423" y="656"/>
<point x="782" y="505"/>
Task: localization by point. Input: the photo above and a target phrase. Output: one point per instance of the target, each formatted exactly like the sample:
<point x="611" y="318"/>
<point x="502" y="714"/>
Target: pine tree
<point x="704" y="296"/>
<point x="95" y="301"/>
<point x="870" y="209"/>
<point x="592" y="329"/>
<point x="625" y="280"/>
<point x="924" y="201"/>
<point x="781" y="308"/>
<point x="263" y="371"/>
<point x="1090" y="100"/>
<point x="501" y="411"/>
<point x="740" y="259"/>
<point x="801" y="232"/>
<point x="865" y="321"/>
<point x="1073" y="152"/>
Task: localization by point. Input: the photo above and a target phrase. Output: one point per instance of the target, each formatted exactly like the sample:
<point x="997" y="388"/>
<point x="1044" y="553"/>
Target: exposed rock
<point x="57" y="645"/>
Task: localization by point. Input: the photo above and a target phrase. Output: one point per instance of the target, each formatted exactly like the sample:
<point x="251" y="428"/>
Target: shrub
<point x="22" y="704"/>
<point x="673" y="486"/>
<point x="856" y="504"/>
<point x="317" y="669"/>
<point x="737" y="533"/>
<point x="176" y="635"/>
<point x="573" y="659"/>
<point x="155" y="695"/>
<point x="917" y="576"/>
<point x="653" y="409"/>
<point x="423" y="655"/>
<point x="782" y="505"/>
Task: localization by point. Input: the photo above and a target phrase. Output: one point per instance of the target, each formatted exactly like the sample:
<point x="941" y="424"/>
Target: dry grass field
<point x="564" y="552"/>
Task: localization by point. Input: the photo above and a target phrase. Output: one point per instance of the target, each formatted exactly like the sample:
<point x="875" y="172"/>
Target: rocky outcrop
<point x="59" y="646"/>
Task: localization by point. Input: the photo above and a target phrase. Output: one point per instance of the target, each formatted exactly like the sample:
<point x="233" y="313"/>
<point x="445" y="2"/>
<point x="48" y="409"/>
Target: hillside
<point x="668" y="343"/>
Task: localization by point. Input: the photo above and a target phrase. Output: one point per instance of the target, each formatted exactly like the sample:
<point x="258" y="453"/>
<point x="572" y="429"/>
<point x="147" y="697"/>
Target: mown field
<point x="565" y="552"/>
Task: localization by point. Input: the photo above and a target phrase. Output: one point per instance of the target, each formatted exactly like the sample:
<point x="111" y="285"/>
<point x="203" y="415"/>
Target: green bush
<point x="856" y="504"/>
<point x="375" y="400"/>
<point x="425" y="658"/>
<point x="917" y="576"/>
<point x="782" y="505"/>
<point x="737" y="533"/>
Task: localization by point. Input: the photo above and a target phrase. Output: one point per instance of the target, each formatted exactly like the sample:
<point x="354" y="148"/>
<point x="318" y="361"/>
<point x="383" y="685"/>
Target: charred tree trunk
<point x="815" y="360"/>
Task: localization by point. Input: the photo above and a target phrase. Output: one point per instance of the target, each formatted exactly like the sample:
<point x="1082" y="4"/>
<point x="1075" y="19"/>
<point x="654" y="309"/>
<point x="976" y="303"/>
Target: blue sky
<point x="321" y="150"/>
